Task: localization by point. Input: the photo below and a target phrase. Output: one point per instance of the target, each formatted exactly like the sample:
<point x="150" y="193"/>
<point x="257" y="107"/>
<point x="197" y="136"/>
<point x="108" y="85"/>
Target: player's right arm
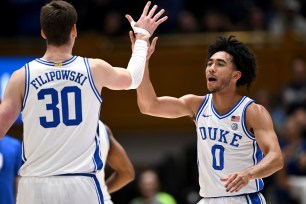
<point x="165" y="106"/>
<point x="11" y="103"/>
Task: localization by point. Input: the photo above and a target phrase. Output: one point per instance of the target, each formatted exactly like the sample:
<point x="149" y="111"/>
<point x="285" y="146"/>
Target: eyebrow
<point x="218" y="60"/>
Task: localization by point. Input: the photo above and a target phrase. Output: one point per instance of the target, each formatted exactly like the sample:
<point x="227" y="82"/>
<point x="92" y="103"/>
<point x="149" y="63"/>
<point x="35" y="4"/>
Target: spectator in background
<point x="10" y="162"/>
<point x="287" y="18"/>
<point x="292" y="176"/>
<point x="293" y="93"/>
<point x="113" y="154"/>
<point x="149" y="188"/>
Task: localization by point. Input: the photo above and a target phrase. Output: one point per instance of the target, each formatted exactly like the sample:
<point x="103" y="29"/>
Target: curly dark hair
<point x="243" y="59"/>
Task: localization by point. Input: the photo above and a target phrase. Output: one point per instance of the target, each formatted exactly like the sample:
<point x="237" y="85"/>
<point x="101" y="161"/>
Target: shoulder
<point x="193" y="101"/>
<point x="257" y="115"/>
<point x="97" y="63"/>
<point x="256" y="109"/>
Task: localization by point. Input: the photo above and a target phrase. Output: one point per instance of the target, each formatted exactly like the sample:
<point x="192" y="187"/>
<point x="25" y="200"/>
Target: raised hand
<point x="148" y="20"/>
<point x="151" y="48"/>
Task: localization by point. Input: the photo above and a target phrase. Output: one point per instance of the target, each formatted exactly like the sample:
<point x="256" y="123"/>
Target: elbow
<point x="281" y="162"/>
<point x="144" y="108"/>
<point x="130" y="175"/>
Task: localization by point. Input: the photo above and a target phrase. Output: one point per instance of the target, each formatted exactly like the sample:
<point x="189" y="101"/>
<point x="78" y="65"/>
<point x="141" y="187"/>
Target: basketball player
<point x="114" y="154"/>
<point x="237" y="145"/>
<point x="59" y="96"/>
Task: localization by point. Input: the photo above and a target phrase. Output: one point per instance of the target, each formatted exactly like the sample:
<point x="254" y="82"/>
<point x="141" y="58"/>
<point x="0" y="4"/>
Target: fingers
<point x="132" y="37"/>
<point x="146" y="9"/>
<point x="158" y="14"/>
<point x="153" y="43"/>
<point x="163" y="19"/>
<point x="152" y="11"/>
<point x="235" y="182"/>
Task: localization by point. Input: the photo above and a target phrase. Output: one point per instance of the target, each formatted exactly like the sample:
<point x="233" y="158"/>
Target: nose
<point x="211" y="68"/>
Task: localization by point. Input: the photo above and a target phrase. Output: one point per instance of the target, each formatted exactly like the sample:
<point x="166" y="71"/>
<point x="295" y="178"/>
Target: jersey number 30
<point x="64" y="110"/>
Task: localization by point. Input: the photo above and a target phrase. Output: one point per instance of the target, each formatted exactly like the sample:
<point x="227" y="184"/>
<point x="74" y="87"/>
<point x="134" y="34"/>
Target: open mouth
<point x="210" y="79"/>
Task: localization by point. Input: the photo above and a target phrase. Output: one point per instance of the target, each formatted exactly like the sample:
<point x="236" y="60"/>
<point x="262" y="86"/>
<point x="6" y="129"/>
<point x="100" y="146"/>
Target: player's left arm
<point x="119" y="161"/>
<point x="260" y="123"/>
<point x="11" y="103"/>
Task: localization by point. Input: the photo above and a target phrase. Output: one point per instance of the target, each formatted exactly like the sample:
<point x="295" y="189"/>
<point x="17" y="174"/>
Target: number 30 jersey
<point x="61" y="109"/>
<point x="225" y="146"/>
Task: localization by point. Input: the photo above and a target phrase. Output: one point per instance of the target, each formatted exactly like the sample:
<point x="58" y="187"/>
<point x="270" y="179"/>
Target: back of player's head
<point x="57" y="19"/>
<point x="243" y="59"/>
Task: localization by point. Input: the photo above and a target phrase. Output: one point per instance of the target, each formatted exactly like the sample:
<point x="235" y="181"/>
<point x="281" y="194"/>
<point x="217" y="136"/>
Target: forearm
<point x="118" y="180"/>
<point x="146" y="95"/>
<point x="137" y="63"/>
<point x="271" y="163"/>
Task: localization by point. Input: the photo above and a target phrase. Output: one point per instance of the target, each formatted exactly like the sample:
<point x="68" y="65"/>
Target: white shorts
<point x="60" y="190"/>
<point x="254" y="198"/>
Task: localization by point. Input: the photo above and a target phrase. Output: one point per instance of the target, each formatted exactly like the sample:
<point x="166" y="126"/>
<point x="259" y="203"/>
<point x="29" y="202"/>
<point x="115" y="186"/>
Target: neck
<point x="223" y="102"/>
<point x="58" y="53"/>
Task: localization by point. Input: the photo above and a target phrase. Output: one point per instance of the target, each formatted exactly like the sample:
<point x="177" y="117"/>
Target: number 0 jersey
<point x="225" y="146"/>
<point x="61" y="109"/>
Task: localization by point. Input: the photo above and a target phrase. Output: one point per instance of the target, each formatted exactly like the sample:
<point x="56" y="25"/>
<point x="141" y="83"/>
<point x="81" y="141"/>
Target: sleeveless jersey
<point x="225" y="146"/>
<point x="105" y="145"/>
<point x="60" y="113"/>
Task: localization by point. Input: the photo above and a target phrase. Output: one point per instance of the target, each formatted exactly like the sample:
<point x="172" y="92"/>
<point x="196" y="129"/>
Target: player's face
<point x="219" y="72"/>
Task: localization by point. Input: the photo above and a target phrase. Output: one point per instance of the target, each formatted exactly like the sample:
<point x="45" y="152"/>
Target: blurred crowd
<point x="21" y="17"/>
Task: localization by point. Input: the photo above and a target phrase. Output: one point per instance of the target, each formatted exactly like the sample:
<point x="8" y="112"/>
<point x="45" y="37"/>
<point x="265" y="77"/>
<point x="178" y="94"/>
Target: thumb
<point x="130" y="19"/>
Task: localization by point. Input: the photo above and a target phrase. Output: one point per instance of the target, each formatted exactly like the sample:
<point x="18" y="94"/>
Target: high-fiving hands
<point x="148" y="20"/>
<point x="151" y="47"/>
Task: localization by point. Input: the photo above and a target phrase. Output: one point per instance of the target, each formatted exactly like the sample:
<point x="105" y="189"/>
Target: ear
<point x="43" y="34"/>
<point x="74" y="32"/>
<point x="237" y="75"/>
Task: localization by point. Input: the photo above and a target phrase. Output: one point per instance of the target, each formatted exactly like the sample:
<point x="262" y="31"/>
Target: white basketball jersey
<point x="225" y="146"/>
<point x="105" y="145"/>
<point x="61" y="109"/>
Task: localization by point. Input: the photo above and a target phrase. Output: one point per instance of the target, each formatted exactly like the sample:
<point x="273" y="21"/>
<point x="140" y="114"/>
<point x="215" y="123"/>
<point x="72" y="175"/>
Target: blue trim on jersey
<point x="97" y="159"/>
<point x="26" y="85"/>
<point x="254" y="198"/>
<point x="45" y="62"/>
<point x="204" y="102"/>
<point x="230" y="111"/>
<point x="94" y="88"/>
<point x="23" y="157"/>
<point x="243" y="120"/>
<point x="257" y="157"/>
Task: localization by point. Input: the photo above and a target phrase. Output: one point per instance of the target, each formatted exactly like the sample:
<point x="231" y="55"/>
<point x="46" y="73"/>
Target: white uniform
<point x="61" y="109"/>
<point x="105" y="145"/>
<point x="225" y="146"/>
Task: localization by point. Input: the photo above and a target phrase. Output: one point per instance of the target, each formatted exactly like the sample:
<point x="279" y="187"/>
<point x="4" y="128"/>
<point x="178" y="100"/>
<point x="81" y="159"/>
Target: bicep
<point x="171" y="107"/>
<point x="105" y="75"/>
<point x="261" y="123"/>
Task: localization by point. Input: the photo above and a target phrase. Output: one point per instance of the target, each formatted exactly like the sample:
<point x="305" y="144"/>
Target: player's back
<point x="60" y="113"/>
